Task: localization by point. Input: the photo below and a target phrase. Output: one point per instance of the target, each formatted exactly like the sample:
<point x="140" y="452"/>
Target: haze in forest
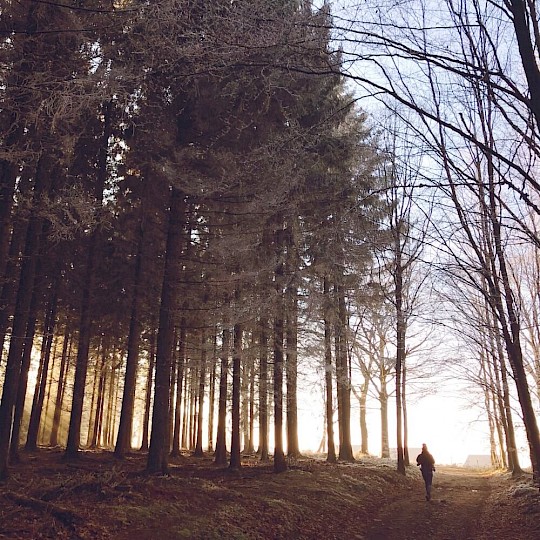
<point x="261" y="228"/>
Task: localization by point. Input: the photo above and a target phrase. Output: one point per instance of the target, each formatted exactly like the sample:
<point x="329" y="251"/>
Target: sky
<point x="451" y="426"/>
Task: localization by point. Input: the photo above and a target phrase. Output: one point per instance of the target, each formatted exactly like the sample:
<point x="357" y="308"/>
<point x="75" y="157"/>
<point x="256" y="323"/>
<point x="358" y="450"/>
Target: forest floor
<point x="99" y="497"/>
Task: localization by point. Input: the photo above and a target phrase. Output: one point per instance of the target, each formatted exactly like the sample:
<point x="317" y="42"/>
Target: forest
<point x="210" y="209"/>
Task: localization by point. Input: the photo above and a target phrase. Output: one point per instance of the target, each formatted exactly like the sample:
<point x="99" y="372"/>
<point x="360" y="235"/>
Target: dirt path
<point x="461" y="502"/>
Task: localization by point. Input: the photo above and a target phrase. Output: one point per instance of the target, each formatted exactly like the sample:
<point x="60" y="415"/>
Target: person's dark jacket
<point x="426" y="462"/>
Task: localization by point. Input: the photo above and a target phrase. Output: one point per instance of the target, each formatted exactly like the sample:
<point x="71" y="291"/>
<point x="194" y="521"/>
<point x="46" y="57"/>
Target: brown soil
<point x="98" y="497"/>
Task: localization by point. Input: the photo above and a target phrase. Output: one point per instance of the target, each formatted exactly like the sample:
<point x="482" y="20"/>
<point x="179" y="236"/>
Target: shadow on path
<point x="454" y="513"/>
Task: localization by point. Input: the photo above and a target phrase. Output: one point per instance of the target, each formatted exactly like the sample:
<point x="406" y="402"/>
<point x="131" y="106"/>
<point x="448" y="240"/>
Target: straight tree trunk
<point x="280" y="464"/>
<point x="235" y="461"/>
<point x="20" y="320"/>
<point x="41" y="381"/>
<point x="385" y="442"/>
<point x="200" y="398"/>
<point x="159" y="440"/>
<point x="364" y="444"/>
<point x="101" y="375"/>
<point x="9" y="169"/>
<point x="251" y="413"/>
<point x="293" y="448"/>
<point x="400" y="353"/>
<point x="125" y="428"/>
<point x="193" y="384"/>
<point x="244" y="401"/>
<point x="212" y="396"/>
<point x="263" y="391"/>
<point x="92" y="413"/>
<point x="329" y="411"/>
<point x="220" y="457"/>
<point x="404" y="409"/>
<point x="148" y="392"/>
<point x="11" y="280"/>
<point x="85" y="320"/>
<point x="185" y="412"/>
<point x="172" y="392"/>
<point x="23" y="380"/>
<point x="175" y="451"/>
<point x="510" y="435"/>
<point x="53" y="441"/>
<point x="342" y="374"/>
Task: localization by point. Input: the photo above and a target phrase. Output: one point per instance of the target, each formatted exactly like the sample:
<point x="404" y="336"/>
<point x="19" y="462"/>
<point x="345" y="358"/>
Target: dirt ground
<point x="99" y="498"/>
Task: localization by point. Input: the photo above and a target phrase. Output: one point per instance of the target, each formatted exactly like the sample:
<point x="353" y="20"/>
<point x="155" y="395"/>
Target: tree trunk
<point x="244" y="402"/>
<point x="175" y="451"/>
<point x="263" y="391"/>
<point x="148" y="392"/>
<point x="53" y="441"/>
<point x="251" y="413"/>
<point x="220" y="457"/>
<point x="23" y="379"/>
<point x="235" y="460"/>
<point x="404" y="409"/>
<point x="185" y="413"/>
<point x="9" y="169"/>
<point x="293" y="448"/>
<point x="159" y="441"/>
<point x="385" y="444"/>
<point x="10" y="282"/>
<point x="92" y="412"/>
<point x="364" y="446"/>
<point x="41" y="381"/>
<point x="172" y="393"/>
<point x="200" y="397"/>
<point x="20" y="320"/>
<point x="280" y="465"/>
<point x="212" y="394"/>
<point x="342" y="375"/>
<point x="511" y="334"/>
<point x="400" y="353"/>
<point x="85" y="320"/>
<point x="125" y="428"/>
<point x="329" y="411"/>
<point x="101" y="377"/>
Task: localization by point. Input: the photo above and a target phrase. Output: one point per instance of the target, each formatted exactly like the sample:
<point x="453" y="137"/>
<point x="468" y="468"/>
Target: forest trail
<point x="99" y="497"/>
<point x="465" y="505"/>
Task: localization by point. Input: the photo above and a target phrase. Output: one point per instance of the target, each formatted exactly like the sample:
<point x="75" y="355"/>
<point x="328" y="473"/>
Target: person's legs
<point x="428" y="480"/>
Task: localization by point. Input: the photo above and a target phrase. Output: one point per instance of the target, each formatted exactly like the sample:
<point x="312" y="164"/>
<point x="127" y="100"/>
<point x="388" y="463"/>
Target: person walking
<point x="426" y="462"/>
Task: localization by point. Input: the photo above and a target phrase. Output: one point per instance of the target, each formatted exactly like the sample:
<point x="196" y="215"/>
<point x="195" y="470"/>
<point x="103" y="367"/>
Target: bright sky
<point x="451" y="427"/>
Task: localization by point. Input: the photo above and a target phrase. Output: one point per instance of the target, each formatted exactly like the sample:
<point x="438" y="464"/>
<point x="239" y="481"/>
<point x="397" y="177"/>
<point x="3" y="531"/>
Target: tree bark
<point x="53" y="440"/>
<point x="23" y="378"/>
<point x="41" y="381"/>
<point x="342" y="375"/>
<point x="125" y="428"/>
<point x="20" y="320"/>
<point x="159" y="440"/>
<point x="148" y="392"/>
<point x="280" y="464"/>
<point x="235" y="460"/>
<point x="180" y="359"/>
<point x="212" y="394"/>
<point x="293" y="448"/>
<point x="200" y="397"/>
<point x="263" y="390"/>
<point x="329" y="414"/>
<point x="85" y="320"/>
<point x="220" y="457"/>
